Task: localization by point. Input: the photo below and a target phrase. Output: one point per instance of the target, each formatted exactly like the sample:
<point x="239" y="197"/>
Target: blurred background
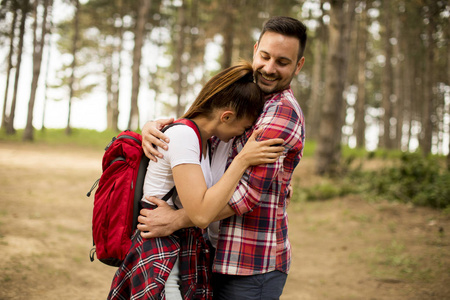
<point x="376" y="71"/>
<point x="374" y="89"/>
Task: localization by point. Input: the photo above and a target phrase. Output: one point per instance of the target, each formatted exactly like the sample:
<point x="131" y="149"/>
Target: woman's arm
<point x="164" y="220"/>
<point x="202" y="205"/>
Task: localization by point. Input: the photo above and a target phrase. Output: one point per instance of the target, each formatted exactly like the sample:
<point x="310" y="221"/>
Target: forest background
<point x="374" y="89"/>
<point x="376" y="77"/>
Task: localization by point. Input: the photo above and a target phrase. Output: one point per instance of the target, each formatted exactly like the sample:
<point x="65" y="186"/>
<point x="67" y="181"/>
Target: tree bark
<point x="117" y="74"/>
<point x="228" y="31"/>
<point x="399" y="105"/>
<point x="139" y="34"/>
<point x="179" y="58"/>
<point x="38" y="46"/>
<point x="24" y="8"/>
<point x="427" y="126"/>
<point x="9" y="67"/>
<point x="76" y="29"/>
<point x="387" y="82"/>
<point x="360" y="124"/>
<point x="49" y="55"/>
<point x="329" y="145"/>
<point x="317" y="90"/>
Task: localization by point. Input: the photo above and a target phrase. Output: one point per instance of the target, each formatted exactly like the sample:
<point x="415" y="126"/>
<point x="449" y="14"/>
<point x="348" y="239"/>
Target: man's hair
<point x="232" y="88"/>
<point x="289" y="27"/>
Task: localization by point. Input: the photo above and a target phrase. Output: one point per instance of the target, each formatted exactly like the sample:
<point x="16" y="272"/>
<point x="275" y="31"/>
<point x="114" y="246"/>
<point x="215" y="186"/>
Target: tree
<point x="76" y="29"/>
<point x="388" y="76"/>
<point x="360" y="124"/>
<point x="178" y="59"/>
<point x="24" y="7"/>
<point x="38" y="46"/>
<point x="315" y="101"/>
<point x="428" y="103"/>
<point x="48" y="46"/>
<point x="14" y="8"/>
<point x="139" y="33"/>
<point x="329" y="145"/>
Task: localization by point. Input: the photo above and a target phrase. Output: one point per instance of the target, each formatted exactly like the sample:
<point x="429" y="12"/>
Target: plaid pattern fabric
<point x="255" y="240"/>
<point x="147" y="266"/>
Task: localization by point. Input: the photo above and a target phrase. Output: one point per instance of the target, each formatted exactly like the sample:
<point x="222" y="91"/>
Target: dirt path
<point x="343" y="249"/>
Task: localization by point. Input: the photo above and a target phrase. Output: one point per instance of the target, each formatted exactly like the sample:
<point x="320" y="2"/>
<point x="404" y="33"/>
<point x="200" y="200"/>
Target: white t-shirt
<point x="218" y="164"/>
<point x="183" y="149"/>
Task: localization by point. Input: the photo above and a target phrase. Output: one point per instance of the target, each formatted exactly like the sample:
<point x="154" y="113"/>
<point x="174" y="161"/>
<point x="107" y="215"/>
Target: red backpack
<point x="120" y="189"/>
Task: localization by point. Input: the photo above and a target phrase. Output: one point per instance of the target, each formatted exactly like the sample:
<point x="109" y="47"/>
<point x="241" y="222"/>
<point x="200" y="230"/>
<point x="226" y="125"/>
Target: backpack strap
<point x="194" y="126"/>
<point x="143" y="170"/>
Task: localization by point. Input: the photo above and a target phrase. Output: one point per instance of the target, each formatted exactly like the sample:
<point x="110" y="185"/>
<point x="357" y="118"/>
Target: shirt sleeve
<point x="184" y="147"/>
<point x="278" y="121"/>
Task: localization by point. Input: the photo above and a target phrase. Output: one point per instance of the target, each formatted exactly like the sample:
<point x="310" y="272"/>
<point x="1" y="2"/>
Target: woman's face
<point x="234" y="127"/>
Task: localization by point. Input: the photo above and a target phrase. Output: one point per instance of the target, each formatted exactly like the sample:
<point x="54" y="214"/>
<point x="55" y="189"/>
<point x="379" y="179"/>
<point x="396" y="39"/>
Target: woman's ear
<point x="227" y="116"/>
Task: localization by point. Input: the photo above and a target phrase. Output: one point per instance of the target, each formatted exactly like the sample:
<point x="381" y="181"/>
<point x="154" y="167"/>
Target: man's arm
<point x="151" y="135"/>
<point x="164" y="220"/>
<point x="279" y="122"/>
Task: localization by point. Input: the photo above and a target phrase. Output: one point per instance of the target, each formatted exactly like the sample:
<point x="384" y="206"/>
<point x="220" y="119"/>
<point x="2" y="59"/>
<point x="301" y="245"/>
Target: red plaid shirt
<point x="144" y="272"/>
<point x="255" y="240"/>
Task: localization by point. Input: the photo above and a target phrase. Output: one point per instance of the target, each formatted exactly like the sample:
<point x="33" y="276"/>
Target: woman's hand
<point x="264" y="152"/>
<point x="151" y="135"/>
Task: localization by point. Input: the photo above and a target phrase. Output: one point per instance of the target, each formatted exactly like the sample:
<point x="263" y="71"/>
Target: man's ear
<point x="227" y="116"/>
<point x="255" y="47"/>
<point x="299" y="66"/>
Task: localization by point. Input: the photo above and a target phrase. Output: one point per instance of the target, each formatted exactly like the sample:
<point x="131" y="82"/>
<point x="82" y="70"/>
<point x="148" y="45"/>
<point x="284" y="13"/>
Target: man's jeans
<point x="268" y="286"/>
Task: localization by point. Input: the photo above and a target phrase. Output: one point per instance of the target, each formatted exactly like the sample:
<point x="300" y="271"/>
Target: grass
<point x="79" y="137"/>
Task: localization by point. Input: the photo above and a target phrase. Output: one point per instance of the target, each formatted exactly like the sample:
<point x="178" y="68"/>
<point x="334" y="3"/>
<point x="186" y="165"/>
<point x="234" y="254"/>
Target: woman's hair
<point x="232" y="88"/>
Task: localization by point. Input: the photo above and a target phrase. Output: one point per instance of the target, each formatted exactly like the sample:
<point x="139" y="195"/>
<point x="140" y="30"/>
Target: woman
<point x="177" y="267"/>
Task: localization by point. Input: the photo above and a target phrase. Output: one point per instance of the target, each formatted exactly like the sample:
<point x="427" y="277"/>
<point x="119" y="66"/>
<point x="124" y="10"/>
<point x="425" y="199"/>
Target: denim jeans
<point x="268" y="286"/>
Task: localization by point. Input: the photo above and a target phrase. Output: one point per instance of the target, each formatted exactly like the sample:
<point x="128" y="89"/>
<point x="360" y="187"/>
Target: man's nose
<point x="270" y="67"/>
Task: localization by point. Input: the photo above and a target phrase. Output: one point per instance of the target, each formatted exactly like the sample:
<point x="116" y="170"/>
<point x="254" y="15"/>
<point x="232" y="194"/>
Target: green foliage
<point x="85" y="138"/>
<point x="414" y="179"/>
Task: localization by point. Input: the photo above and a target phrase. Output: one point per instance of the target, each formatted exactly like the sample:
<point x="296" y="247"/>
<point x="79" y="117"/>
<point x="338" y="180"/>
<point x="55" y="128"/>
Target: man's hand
<point x="151" y="135"/>
<point x="289" y="194"/>
<point x="158" y="222"/>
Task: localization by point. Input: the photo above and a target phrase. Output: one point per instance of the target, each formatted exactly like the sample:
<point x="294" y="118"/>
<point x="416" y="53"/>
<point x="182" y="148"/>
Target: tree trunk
<point x="329" y="144"/>
<point x="448" y="80"/>
<point x="427" y="126"/>
<point x="139" y="34"/>
<point x="399" y="107"/>
<point x="117" y="74"/>
<point x="360" y="112"/>
<point x="388" y="77"/>
<point x="179" y="58"/>
<point x="9" y="67"/>
<point x="314" y="116"/>
<point x="228" y="32"/>
<point x="407" y="86"/>
<point x="109" y="93"/>
<point x="38" y="46"/>
<point x="24" y="10"/>
<point x="49" y="55"/>
<point x="317" y="76"/>
<point x="76" y="29"/>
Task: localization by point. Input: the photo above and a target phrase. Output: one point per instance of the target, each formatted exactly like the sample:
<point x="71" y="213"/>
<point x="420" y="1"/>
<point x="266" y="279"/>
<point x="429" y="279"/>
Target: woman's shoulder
<point x="181" y="134"/>
<point x="178" y="128"/>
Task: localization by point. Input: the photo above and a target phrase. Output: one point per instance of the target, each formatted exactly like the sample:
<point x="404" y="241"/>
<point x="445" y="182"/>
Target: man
<point x="253" y="252"/>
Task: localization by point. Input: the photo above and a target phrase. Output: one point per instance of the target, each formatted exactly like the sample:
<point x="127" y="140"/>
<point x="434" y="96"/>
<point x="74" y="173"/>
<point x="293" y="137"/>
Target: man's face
<point x="275" y="61"/>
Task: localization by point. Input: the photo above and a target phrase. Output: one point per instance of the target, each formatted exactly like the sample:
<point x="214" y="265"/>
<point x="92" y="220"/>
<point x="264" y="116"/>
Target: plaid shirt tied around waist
<point x="147" y="266"/>
<point x="255" y="240"/>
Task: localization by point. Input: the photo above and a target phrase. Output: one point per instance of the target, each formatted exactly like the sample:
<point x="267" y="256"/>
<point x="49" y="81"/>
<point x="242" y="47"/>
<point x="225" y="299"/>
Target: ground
<point x="344" y="248"/>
